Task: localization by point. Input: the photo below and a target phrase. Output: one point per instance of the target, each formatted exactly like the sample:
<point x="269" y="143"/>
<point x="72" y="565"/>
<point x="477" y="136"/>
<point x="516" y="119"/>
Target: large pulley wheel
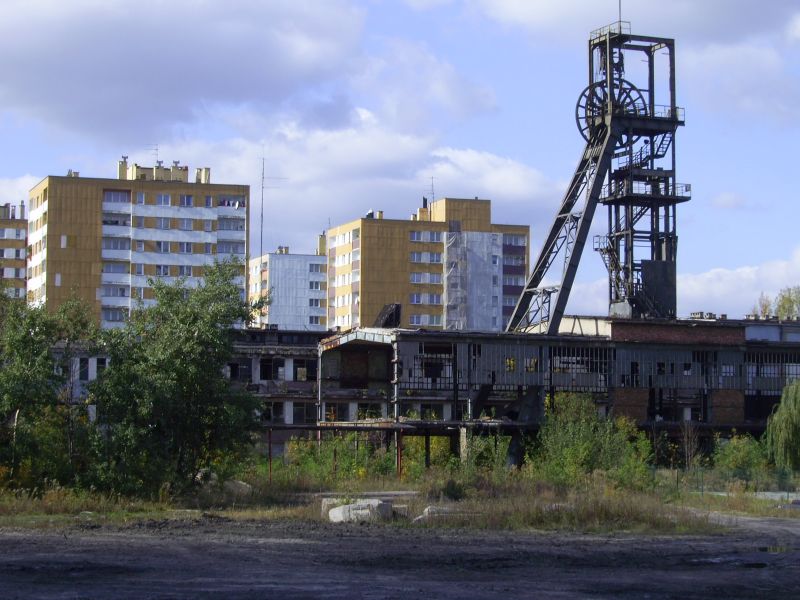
<point x="593" y="105"/>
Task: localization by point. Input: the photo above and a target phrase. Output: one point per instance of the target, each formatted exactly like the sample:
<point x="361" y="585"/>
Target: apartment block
<point x="296" y="285"/>
<point x="104" y="239"/>
<point x="448" y="267"/>
<point x="13" y="247"/>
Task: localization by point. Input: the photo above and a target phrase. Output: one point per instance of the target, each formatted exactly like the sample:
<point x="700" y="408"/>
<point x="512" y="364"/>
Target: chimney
<point x="22" y="209"/>
<point x="424" y="202"/>
<point x="122" y="168"/>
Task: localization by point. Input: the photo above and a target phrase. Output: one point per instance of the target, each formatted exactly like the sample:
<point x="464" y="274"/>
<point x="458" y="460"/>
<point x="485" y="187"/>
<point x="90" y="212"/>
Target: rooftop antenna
<point x="433" y="195"/>
<point x="619" y="3"/>
<point x="154" y="150"/>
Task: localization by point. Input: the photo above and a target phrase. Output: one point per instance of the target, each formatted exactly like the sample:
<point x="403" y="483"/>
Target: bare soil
<point x="217" y="557"/>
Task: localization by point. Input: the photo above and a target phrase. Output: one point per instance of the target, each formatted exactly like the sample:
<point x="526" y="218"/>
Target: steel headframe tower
<point x="628" y="165"/>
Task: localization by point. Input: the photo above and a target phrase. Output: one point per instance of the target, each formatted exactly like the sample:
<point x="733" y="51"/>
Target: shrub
<point x="741" y="457"/>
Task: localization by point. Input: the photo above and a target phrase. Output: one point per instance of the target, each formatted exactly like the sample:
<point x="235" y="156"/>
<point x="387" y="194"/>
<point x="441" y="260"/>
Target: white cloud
<point x="413" y="89"/>
<point x="793" y="28"/>
<point x="111" y="68"/>
<point x="688" y="19"/>
<point x="730" y="201"/>
<point x="16" y="188"/>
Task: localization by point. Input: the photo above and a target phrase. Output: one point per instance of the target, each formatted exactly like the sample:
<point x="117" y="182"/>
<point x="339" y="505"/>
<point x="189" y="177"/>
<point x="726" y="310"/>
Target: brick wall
<point x="631" y="403"/>
<point x="727" y="407"/>
<point x="678" y="333"/>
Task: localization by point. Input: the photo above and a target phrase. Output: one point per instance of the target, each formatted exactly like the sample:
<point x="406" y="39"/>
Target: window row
<point x="183" y="200"/>
<point x="425" y="236"/>
<point x="426" y="257"/>
<point x="418" y="298"/>
<point x="433" y="320"/>
<point x="434" y="278"/>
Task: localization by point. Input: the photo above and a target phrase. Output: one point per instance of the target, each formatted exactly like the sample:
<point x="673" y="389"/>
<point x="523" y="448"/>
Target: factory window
<point x="186" y="200"/>
<point x="272" y="369"/>
<point x="305" y="369"/>
<point x="163" y="199"/>
<point x="531" y="365"/>
<point x="83" y="369"/>
<point x="273" y="412"/>
<point x="369" y="410"/>
<point x="430" y="412"/>
<point x="337" y="411"/>
<point x="511" y="364"/>
<point x="304" y="412"/>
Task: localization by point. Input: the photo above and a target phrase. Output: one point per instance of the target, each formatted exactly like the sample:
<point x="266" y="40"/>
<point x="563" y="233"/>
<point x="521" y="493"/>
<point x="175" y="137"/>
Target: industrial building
<point x="296" y="286"/>
<point x="102" y="239"/>
<point x="13" y="248"/>
<point x="447" y="267"/>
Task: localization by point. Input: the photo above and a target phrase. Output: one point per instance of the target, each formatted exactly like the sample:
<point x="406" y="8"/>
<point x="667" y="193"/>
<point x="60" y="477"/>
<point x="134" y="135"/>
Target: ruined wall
<point x="630" y="402"/>
<point x="727" y="407"/>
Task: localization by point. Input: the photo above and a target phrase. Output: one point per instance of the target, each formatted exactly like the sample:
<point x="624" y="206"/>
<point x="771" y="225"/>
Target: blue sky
<point x="357" y="104"/>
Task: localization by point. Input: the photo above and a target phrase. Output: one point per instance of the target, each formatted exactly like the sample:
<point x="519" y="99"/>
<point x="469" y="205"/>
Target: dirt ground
<point x="215" y="557"/>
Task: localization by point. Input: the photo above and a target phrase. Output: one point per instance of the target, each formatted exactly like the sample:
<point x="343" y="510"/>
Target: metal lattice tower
<point x="628" y="165"/>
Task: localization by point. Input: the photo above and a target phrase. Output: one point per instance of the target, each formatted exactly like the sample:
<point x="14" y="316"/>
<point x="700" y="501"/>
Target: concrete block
<point x="363" y="510"/>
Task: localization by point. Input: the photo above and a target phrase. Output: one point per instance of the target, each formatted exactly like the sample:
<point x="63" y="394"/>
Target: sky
<point x="369" y="104"/>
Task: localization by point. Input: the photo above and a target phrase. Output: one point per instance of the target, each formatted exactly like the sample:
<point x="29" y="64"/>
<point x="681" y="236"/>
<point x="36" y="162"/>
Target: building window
<point x="435" y="320"/>
<point x="139" y="246"/>
<point x="209" y="202"/>
<point x="162" y="270"/>
<point x="138" y="268"/>
<point x="185" y="247"/>
<point x="415" y="257"/>
<point x="207" y="248"/>
<point x="162" y="247"/>
<point x="495" y="300"/>
<point x="115" y="291"/>
<point x="416" y="277"/>
<point x="304" y="412"/>
<point x="116" y="243"/>
<point x="415" y="298"/>
<point x="139" y="197"/>
<point x="101" y="364"/>
<point x="314" y="303"/>
<point x="138" y="222"/>
<point x="415" y="319"/>
<point x="113" y="314"/>
<point x="316" y="268"/>
<point x="314" y="285"/>
<point x="83" y="369"/>
<point x="116" y="196"/>
<point x="185" y="224"/>
<point x="435" y="278"/>
<point x="230" y="224"/>
<point x="234" y="201"/>
<point x="436" y="257"/>
<point x="510" y="239"/>
<point x="185" y="271"/>
<point x="116" y="267"/>
<point x="436" y="236"/>
<point x="163" y="200"/>
<point x="313" y="320"/>
<point x="513" y="260"/>
<point x="207" y="225"/>
<point x="415" y="236"/>
<point x="230" y="248"/>
<point x="272" y="412"/>
<point x="434" y="298"/>
<point x="162" y="223"/>
<point x="186" y="200"/>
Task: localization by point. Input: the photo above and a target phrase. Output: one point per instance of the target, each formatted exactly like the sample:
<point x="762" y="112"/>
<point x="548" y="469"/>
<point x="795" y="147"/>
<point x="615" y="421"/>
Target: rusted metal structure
<point x="628" y="117"/>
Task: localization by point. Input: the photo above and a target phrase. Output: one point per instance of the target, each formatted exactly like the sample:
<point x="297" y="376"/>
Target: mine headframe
<point x="628" y="117"/>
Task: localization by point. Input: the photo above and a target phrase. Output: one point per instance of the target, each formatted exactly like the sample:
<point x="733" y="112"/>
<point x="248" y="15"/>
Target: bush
<point x="741" y="458"/>
<point x="575" y="442"/>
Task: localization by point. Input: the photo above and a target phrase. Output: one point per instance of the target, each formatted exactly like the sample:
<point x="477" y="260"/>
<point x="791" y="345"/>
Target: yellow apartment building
<point x="447" y="267"/>
<point x="103" y="239"/>
<point x="13" y="236"/>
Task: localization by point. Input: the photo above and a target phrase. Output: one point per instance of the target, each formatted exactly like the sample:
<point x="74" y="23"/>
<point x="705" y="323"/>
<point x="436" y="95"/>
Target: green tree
<point x="787" y="303"/>
<point x="763" y="307"/>
<point x="740" y="457"/>
<point x="164" y="408"/>
<point x="783" y="429"/>
<point x="37" y="420"/>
